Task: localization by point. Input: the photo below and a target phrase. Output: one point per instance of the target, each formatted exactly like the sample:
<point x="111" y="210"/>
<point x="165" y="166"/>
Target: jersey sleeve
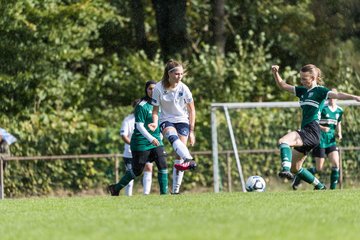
<point x="188" y="95"/>
<point x="155" y="101"/>
<point x="140" y="114"/>
<point x="124" y="130"/>
<point x="299" y="91"/>
<point x="325" y="91"/>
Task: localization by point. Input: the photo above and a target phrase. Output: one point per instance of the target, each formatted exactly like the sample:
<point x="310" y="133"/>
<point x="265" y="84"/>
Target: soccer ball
<point x="255" y="184"/>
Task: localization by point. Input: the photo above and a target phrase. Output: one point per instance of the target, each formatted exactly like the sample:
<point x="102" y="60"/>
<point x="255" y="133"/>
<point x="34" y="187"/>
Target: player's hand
<point x="340" y="137"/>
<point x="275" y="68"/>
<point x="192" y="138"/>
<point x="357" y="98"/>
<point x="155" y="142"/>
<point x="326" y="129"/>
<point x="152" y="126"/>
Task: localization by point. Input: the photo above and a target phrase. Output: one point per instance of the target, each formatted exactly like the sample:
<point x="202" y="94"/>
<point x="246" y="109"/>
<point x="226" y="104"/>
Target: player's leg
<point x="298" y="159"/>
<point x="129" y="187"/>
<point x="138" y="164"/>
<point x="147" y="178"/>
<point x="170" y="132"/>
<point x="285" y="144"/>
<point x="333" y="155"/>
<point x="179" y="164"/>
<point x="178" y="174"/>
<point x="160" y="160"/>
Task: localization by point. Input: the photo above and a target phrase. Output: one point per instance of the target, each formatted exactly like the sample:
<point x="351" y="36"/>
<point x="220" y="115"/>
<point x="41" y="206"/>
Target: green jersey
<point x="143" y="114"/>
<point x="311" y="101"/>
<point x="330" y="118"/>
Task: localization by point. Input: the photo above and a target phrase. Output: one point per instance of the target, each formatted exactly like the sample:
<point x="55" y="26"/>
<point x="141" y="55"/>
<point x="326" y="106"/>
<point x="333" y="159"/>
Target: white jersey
<point x="127" y="129"/>
<point x="172" y="103"/>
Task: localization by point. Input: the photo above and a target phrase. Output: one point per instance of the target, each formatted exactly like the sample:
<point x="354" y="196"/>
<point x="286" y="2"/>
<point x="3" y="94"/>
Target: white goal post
<point x="226" y="107"/>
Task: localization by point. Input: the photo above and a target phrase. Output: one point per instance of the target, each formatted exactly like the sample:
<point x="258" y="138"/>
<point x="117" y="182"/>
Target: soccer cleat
<point x="286" y="174"/>
<point x="188" y="164"/>
<point x="322" y="188"/>
<point x="111" y="189"/>
<point x="296" y="183"/>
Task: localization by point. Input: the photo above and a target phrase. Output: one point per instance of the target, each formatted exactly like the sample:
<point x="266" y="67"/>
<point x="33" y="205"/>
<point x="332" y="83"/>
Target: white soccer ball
<point x="255" y="184"/>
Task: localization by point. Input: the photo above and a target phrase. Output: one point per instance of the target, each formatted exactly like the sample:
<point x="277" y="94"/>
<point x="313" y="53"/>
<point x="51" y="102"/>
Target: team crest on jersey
<point x="181" y="94"/>
<point x="327" y="115"/>
<point x="311" y="94"/>
<point x="153" y="100"/>
<point x="337" y="116"/>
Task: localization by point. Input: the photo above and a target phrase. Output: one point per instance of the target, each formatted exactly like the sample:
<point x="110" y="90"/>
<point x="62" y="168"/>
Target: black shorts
<point x="322" y="152"/>
<point x="310" y="135"/>
<point x="140" y="158"/>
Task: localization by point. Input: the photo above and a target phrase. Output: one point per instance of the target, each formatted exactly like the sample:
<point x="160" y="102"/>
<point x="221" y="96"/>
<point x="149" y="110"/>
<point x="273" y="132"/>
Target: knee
<point x="148" y="167"/>
<point x="294" y="169"/>
<point x="172" y="136"/>
<point x="282" y="141"/>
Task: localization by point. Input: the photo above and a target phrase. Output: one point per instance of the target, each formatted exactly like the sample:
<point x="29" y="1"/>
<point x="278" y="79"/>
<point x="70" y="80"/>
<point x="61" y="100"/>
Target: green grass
<point x="270" y="215"/>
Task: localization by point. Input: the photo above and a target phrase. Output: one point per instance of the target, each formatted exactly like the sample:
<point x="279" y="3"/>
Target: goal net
<point x="249" y="132"/>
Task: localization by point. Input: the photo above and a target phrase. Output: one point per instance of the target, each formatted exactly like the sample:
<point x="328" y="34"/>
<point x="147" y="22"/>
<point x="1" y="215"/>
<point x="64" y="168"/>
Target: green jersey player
<point x="146" y="145"/>
<point x="312" y="97"/>
<point x="330" y="124"/>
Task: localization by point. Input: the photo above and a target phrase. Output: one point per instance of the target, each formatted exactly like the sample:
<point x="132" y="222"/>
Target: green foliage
<point x="69" y="71"/>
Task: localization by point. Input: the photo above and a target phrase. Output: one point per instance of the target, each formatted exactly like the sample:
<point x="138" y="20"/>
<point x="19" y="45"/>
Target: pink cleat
<point x="188" y="164"/>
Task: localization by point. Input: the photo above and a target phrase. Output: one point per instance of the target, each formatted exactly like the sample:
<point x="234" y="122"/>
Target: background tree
<point x="218" y="25"/>
<point x="171" y="26"/>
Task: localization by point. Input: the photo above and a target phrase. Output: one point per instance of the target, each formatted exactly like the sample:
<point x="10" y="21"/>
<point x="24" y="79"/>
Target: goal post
<point x="215" y="107"/>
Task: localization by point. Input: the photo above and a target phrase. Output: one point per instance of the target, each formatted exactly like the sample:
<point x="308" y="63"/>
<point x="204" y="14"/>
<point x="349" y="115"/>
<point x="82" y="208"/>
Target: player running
<point x="312" y="97"/>
<point x="177" y="118"/>
<point x="330" y="124"/>
<point x="145" y="146"/>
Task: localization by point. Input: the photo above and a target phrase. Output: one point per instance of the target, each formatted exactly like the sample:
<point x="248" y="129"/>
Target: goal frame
<point x="225" y="107"/>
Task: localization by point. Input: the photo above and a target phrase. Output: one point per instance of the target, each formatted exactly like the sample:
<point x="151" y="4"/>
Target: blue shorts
<point x="182" y="129"/>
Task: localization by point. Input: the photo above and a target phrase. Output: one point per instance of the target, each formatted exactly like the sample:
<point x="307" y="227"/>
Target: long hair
<point x="314" y="71"/>
<point x="171" y="64"/>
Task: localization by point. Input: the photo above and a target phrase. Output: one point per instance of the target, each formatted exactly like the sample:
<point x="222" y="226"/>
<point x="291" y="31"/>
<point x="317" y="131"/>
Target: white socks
<point x="147" y="180"/>
<point x="181" y="149"/>
<point x="177" y="178"/>
<point x="129" y="188"/>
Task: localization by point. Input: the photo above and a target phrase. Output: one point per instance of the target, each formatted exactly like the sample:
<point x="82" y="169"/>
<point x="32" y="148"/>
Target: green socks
<point x="334" y="177"/>
<point x="312" y="170"/>
<point x="163" y="181"/>
<point x="285" y="153"/>
<point x="308" y="177"/>
<point x="124" y="181"/>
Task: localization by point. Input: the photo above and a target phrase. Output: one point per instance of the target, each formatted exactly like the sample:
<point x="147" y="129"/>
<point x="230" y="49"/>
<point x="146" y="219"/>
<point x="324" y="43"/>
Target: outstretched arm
<point x="279" y="81"/>
<point x="343" y="96"/>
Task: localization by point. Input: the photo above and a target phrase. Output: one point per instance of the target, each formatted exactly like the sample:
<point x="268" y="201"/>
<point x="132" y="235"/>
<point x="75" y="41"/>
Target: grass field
<point x="269" y="215"/>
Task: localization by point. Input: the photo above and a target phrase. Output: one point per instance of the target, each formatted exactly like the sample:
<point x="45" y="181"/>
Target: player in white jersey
<point x="126" y="131"/>
<point x="177" y="118"/>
